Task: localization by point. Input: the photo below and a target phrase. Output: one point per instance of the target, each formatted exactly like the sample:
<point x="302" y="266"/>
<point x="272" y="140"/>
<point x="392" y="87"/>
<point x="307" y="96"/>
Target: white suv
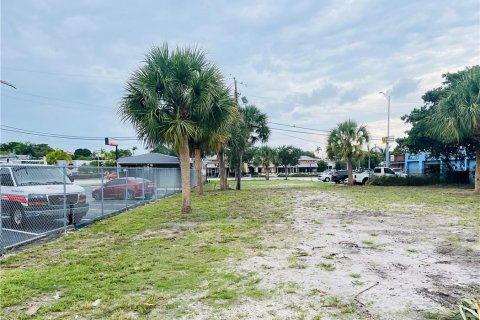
<point x="32" y="190"/>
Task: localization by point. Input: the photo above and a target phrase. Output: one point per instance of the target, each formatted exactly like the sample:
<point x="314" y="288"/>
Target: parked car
<point x="362" y="177"/>
<point x="339" y="176"/>
<point x="399" y="172"/>
<point x="38" y="191"/>
<point x="325" y="176"/>
<point x="130" y="188"/>
<point x="383" y="171"/>
<point x="110" y="175"/>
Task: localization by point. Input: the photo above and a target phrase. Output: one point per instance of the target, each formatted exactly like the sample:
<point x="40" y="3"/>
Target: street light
<point x="387" y="151"/>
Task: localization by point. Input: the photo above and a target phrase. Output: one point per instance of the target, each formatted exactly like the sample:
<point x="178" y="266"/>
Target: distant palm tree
<point x="266" y="156"/>
<point x="345" y="142"/>
<point x="165" y="96"/>
<point x="251" y="127"/>
<point x="457" y="117"/>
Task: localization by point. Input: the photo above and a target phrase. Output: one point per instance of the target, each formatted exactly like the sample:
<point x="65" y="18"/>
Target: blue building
<point x="422" y="163"/>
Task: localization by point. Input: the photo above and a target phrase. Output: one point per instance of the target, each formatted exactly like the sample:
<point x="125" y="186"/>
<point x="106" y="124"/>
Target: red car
<point x="132" y="188"/>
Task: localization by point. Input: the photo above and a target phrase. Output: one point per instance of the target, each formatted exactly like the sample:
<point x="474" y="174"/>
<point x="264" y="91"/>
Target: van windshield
<point x="30" y="176"/>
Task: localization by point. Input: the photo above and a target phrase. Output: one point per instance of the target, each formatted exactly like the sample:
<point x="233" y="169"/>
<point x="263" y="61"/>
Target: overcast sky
<point x="306" y="63"/>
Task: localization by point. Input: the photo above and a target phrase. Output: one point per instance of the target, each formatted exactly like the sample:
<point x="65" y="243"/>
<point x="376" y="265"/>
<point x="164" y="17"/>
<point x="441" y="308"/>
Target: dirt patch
<point x="171" y="231"/>
<point x="322" y="258"/>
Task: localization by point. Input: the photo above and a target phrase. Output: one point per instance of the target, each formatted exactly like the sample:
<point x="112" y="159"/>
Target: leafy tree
<point x="420" y="137"/>
<point x="345" y="142"/>
<point x="456" y="118"/>
<point x="165" y="96"/>
<point x="251" y="127"/>
<point x="322" y="165"/>
<point x="27" y="148"/>
<point x="56" y="155"/>
<point x="288" y="156"/>
<point x="265" y="156"/>
<point x="82" y="154"/>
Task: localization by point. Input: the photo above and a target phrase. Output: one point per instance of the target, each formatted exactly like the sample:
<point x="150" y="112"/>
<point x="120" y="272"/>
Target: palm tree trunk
<point x="239" y="171"/>
<point x="286" y="174"/>
<point x="267" y="174"/>
<point x="350" y="169"/>
<point x="198" y="170"/>
<point x="477" y="172"/>
<point x="221" y="169"/>
<point x="185" y="173"/>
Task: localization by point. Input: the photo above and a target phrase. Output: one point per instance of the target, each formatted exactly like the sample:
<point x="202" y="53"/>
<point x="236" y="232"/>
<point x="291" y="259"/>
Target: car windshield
<point x="30" y="176"/>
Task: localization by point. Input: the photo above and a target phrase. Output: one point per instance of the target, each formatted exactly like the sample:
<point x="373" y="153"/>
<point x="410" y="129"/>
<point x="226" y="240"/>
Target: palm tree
<point x="457" y="117"/>
<point x="210" y="126"/>
<point x="345" y="142"/>
<point x="165" y="96"/>
<point x="266" y="156"/>
<point x="251" y="127"/>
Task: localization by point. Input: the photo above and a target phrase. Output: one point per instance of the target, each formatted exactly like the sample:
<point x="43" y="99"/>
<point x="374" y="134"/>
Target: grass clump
<point x="327" y="266"/>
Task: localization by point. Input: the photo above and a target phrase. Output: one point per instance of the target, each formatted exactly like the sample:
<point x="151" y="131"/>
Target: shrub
<point x="403" y="181"/>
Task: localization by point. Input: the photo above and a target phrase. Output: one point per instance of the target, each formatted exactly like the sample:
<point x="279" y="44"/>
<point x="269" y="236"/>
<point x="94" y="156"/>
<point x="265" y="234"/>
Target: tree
<point x="251" y="127"/>
<point x="345" y="142"/>
<point x="222" y="108"/>
<point x="456" y="119"/>
<point x="322" y="165"/>
<point x="163" y="98"/>
<point x="164" y="149"/>
<point x="27" y="148"/>
<point x="82" y="154"/>
<point x="420" y="138"/>
<point x="288" y="156"/>
<point x="310" y="154"/>
<point x="266" y="156"/>
<point x="340" y="164"/>
<point x="56" y="155"/>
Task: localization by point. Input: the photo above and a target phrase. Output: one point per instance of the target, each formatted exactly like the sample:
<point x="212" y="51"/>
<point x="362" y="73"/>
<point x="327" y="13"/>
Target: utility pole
<point x="236" y="92"/>
<point x="387" y="150"/>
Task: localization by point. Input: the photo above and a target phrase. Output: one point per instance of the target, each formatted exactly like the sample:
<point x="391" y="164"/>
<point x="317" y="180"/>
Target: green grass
<point x="154" y="261"/>
<point x="133" y="264"/>
<point x="327" y="266"/>
<point x="451" y="200"/>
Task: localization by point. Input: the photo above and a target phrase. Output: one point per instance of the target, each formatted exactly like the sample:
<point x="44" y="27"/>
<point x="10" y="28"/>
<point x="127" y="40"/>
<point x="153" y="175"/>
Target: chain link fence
<point x="37" y="200"/>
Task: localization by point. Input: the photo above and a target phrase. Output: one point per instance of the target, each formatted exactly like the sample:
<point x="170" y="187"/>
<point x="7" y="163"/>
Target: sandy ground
<point x="321" y="259"/>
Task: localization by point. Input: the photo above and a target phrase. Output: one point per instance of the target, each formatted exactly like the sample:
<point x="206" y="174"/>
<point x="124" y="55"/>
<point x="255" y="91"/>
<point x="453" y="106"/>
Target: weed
<point x="326" y="266"/>
<point x="374" y="233"/>
<point x="358" y="283"/>
<point x="293" y="263"/>
<point x="355" y="275"/>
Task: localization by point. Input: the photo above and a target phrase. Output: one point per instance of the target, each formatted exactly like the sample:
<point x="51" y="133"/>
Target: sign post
<point x="113" y="142"/>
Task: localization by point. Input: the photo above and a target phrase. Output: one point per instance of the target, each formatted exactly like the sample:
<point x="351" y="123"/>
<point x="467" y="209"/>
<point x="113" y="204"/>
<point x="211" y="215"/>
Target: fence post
<point x="101" y="188"/>
<point x="64" y="197"/>
<point x="1" y="223"/>
<point x="143" y="185"/>
<point x="126" y="189"/>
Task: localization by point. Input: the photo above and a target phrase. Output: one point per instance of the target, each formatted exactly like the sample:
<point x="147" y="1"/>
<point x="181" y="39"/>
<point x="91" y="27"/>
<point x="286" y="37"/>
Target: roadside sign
<point x="111" y="142"/>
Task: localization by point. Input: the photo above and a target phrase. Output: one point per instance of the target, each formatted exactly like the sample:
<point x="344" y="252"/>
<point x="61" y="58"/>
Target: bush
<point x="313" y="174"/>
<point x="403" y="181"/>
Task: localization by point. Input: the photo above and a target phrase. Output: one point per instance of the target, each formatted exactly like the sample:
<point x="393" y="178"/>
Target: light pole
<point x="387" y="151"/>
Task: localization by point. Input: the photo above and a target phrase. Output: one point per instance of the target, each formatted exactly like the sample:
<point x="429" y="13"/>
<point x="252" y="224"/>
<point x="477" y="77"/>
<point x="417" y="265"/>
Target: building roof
<point x="307" y="158"/>
<point x="149" y="158"/>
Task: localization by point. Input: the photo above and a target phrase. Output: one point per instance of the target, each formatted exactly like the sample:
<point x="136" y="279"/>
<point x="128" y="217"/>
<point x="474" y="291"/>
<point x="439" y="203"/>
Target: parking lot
<point x="38" y="227"/>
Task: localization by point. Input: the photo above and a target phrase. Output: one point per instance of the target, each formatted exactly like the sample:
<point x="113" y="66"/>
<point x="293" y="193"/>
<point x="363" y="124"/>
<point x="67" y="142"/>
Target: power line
<point x="64" y="74"/>
<point x="60" y="136"/>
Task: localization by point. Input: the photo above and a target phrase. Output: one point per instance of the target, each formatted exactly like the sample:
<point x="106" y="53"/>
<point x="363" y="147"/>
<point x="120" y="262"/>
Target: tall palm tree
<point x="266" y="156"/>
<point x="345" y="141"/>
<point x="457" y="117"/>
<point x="210" y="126"/>
<point x="251" y="127"/>
<point x="165" y="96"/>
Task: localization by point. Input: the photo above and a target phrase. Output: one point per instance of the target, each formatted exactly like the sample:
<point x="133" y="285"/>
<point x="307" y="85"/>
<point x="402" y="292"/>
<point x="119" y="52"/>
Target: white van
<point x="31" y="190"/>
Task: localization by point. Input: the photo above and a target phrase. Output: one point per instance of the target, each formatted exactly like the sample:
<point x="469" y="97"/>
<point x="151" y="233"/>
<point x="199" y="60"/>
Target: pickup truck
<point x="29" y="191"/>
<point x="362" y="178"/>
